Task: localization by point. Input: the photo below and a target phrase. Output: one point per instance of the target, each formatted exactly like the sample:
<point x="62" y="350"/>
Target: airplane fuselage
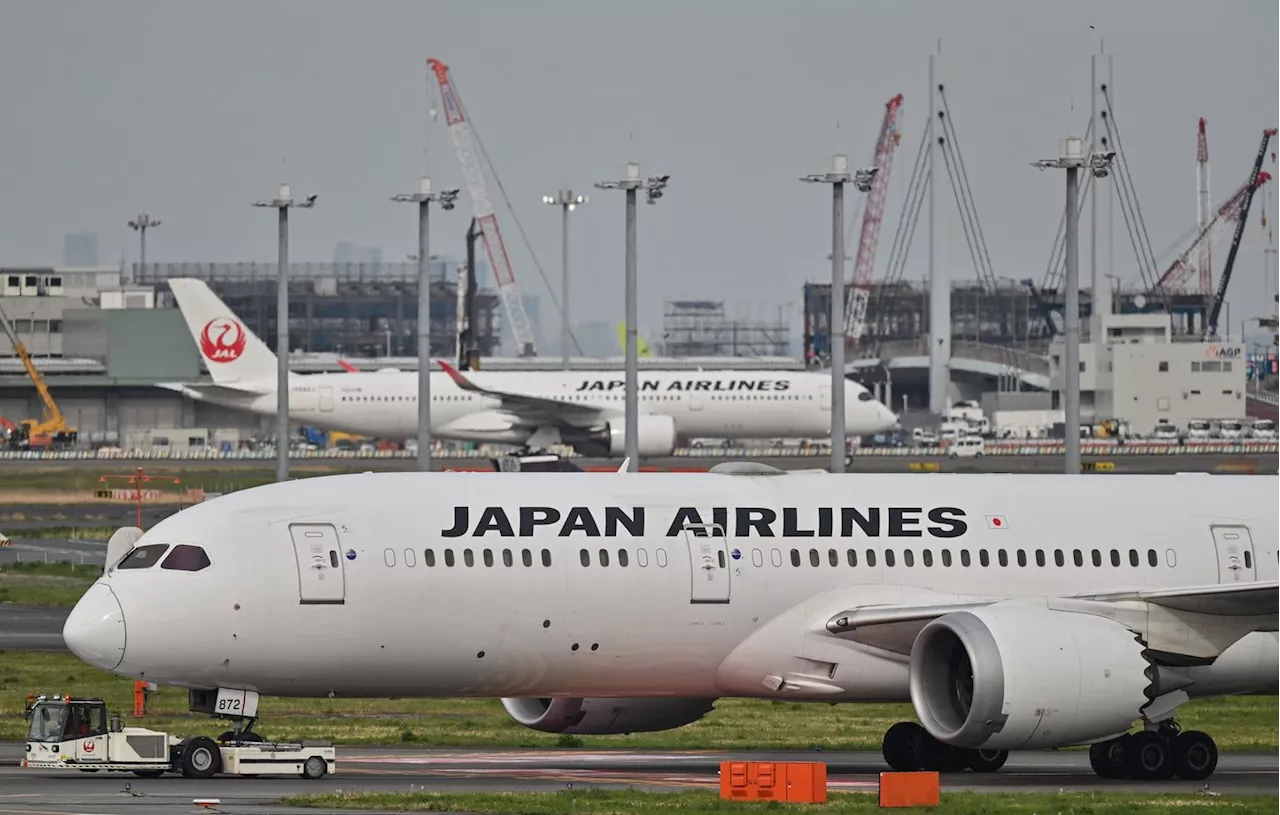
<point x="429" y="585"/>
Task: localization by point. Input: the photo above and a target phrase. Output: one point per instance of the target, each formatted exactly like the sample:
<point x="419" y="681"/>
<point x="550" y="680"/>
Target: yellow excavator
<point x="51" y="432"/>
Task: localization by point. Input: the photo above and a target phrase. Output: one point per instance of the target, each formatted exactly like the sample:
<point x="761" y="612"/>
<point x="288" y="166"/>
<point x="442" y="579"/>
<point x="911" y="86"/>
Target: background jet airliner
<point x="1013" y="612"/>
<point x="535" y="409"/>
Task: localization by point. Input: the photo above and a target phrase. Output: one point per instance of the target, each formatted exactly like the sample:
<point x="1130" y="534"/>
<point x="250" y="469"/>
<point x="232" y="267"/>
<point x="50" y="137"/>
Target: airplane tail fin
<point x="642" y="347"/>
<point x="231" y="352"/>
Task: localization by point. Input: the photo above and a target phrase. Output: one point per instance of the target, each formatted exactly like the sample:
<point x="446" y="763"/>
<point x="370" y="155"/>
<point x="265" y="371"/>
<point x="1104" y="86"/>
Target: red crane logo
<point x="222" y="340"/>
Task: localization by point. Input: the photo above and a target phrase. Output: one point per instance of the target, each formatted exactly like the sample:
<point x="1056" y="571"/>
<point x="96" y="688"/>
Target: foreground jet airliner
<point x="1013" y="612"/>
<point x="535" y="409"/>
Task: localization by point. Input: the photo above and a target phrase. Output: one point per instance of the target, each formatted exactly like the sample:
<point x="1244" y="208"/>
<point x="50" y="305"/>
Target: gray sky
<point x="191" y="110"/>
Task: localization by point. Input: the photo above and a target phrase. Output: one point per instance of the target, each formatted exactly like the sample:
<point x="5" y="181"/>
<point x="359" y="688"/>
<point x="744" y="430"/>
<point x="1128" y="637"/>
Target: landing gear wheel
<point x="1148" y="757"/>
<point x="986" y="761"/>
<point x="1195" y="756"/>
<point x="943" y="758"/>
<point x="246" y="737"/>
<point x="904" y="746"/>
<point x="314" y="767"/>
<point x="1107" y="758"/>
<point x="148" y="773"/>
<point x="201" y="758"/>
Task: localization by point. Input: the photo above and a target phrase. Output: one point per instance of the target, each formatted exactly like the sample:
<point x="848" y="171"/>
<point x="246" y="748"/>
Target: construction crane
<point x="1175" y="277"/>
<point x="52" y="430"/>
<point x="460" y="131"/>
<point x="1202" y="209"/>
<point x="1211" y="325"/>
<point x="856" y="306"/>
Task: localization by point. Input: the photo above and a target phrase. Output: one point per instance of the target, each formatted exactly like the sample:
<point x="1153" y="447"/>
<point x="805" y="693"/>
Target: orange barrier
<point x="909" y="790"/>
<point x="139" y="698"/>
<point x="797" y="783"/>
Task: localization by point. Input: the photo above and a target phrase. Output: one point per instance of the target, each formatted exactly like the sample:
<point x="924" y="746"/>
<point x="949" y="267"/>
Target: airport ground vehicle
<point x="968" y="447"/>
<point x="70" y="733"/>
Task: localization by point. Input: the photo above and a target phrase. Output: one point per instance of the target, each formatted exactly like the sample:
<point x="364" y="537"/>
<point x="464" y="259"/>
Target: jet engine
<point x="605" y="716"/>
<point x="1008" y="677"/>
<point x="657" y="435"/>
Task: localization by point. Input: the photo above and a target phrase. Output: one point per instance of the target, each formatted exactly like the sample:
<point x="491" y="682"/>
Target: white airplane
<point x="1014" y="613"/>
<point x="534" y="409"/>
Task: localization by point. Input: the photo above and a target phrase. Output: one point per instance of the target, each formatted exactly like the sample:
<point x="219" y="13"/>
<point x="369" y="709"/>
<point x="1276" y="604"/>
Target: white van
<point x="968" y="447"/>
<point x="1230" y="429"/>
<point x="1199" y="429"/>
<point x="1165" y="431"/>
<point x="1264" y="429"/>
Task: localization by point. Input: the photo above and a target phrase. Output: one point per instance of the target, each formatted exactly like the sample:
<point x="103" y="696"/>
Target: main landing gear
<point x="908" y="747"/>
<point x="1156" y="754"/>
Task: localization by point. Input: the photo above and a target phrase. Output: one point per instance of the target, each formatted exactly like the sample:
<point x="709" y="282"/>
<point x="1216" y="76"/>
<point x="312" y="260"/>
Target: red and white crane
<point x="855" y="316"/>
<point x="460" y="131"/>
<point x="1175" y="277"/>
<point x="1203" y="206"/>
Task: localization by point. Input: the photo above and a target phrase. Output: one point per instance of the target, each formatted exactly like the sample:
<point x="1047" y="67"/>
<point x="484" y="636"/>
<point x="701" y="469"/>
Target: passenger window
<point x="448" y="558"/>
<point x="468" y="557"/>
<point x="186" y="558"/>
<point x="852" y="557"/>
<point x="622" y="557"/>
<point x="488" y="557"/>
<point x="1133" y="557"/>
<point x="1097" y="558"/>
<point x="526" y="557"/>
<point x="604" y="557"/>
<point x="888" y="557"/>
<point x="546" y="558"/>
<point x="795" y="557"/>
<point x="833" y="557"/>
<point x="144" y="557"/>
<point x="1078" y="557"/>
<point x="813" y="557"/>
<point x="642" y="557"/>
<point x="1003" y="557"/>
<point x="1115" y="557"/>
<point x="964" y="558"/>
<point x="1057" y="557"/>
<point x="661" y="557"/>
<point x="1248" y="559"/>
<point x="410" y="559"/>
<point x="506" y="557"/>
<point x="584" y="557"/>
<point x="1153" y="560"/>
<point x="1170" y="558"/>
<point x="1022" y="558"/>
<point x="983" y="558"/>
<point x="908" y="558"/>
<point x="757" y="558"/>
<point x="928" y="557"/>
<point x="720" y="558"/>
<point x="389" y="557"/>
<point x="429" y="557"/>
<point x="775" y="557"/>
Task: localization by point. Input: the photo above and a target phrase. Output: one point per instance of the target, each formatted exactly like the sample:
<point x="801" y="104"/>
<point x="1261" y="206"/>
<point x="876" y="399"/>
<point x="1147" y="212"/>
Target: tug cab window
<point x="144" y="557"/>
<point x="186" y="558"/>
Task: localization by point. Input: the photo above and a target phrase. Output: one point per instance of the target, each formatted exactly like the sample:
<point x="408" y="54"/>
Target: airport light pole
<point x="653" y="188"/>
<point x="423" y="198"/>
<point x="140" y="225"/>
<point x="568" y="202"/>
<point x="282" y="203"/>
<point x="837" y="177"/>
<point x="1073" y="159"/>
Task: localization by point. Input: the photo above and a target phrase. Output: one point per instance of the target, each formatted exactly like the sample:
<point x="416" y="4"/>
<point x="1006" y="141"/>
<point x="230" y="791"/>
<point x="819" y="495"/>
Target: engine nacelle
<point x="605" y="716"/>
<point x="657" y="435"/>
<point x="1009" y="677"/>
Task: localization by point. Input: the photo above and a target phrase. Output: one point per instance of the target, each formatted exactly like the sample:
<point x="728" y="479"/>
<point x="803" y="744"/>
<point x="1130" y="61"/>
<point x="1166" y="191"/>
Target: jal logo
<point x="1223" y="352"/>
<point x="222" y="340"/>
<point x="89" y="746"/>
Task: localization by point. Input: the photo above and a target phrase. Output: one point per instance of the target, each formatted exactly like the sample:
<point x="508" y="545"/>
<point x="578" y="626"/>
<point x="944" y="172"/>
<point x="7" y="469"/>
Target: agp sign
<point x="1223" y="352"/>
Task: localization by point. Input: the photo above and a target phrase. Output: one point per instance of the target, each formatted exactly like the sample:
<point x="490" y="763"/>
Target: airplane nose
<point x="95" y="630"/>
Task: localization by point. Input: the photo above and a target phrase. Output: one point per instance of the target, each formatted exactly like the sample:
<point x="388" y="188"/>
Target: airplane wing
<point x="893" y="627"/>
<point x="535" y="410"/>
<point x="228" y="388"/>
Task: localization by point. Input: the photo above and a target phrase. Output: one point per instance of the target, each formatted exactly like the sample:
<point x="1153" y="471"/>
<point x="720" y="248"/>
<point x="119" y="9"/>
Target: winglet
<point x="348" y="367"/>
<point x="625" y="462"/>
<point x="457" y="377"/>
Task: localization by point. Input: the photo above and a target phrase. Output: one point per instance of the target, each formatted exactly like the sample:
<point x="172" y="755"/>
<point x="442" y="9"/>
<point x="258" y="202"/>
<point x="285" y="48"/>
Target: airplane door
<point x="326" y="400"/>
<point x="321" y="578"/>
<point x="1236" y="563"/>
<point x="824" y="394"/>
<point x="708" y="563"/>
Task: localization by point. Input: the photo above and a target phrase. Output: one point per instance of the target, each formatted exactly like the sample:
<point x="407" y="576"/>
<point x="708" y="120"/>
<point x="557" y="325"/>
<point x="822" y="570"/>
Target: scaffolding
<point x="700" y="328"/>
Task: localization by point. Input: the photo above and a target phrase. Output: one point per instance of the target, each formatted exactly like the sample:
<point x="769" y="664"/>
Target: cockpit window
<point x="865" y="396"/>
<point x="186" y="558"/>
<point x="144" y="557"/>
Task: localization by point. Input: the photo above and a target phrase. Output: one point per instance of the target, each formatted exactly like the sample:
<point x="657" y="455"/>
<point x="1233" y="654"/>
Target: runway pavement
<point x="29" y="628"/>
<point x="379" y="769"/>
